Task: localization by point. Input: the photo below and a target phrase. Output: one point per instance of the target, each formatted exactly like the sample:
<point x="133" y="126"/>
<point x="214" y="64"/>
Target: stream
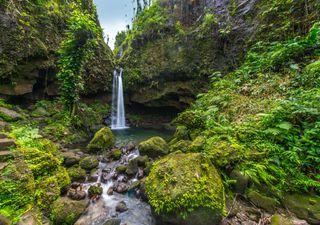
<point x="138" y="212"/>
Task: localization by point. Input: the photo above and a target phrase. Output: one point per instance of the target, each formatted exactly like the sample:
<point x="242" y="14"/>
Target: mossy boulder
<point x="305" y="207"/>
<point x="241" y="181"/>
<point x="89" y="163"/>
<point x="116" y="154"/>
<point x="265" y="202"/>
<point x="186" y="189"/>
<point x="94" y="190"/>
<point x="154" y="147"/>
<point x="9" y="115"/>
<point x="66" y="211"/>
<point x="102" y="140"/>
<point x="132" y="167"/>
<point x="77" y="174"/>
<point x="113" y="222"/>
<point x="121" y="169"/>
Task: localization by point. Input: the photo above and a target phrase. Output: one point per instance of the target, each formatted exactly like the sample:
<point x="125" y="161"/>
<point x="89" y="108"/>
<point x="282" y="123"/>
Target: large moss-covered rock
<point x="280" y="220"/>
<point x="267" y="203"/>
<point x="304" y="206"/>
<point x="66" y="211"/>
<point x="186" y="189"/>
<point x="102" y="140"/>
<point x="154" y="147"/>
<point x="89" y="163"/>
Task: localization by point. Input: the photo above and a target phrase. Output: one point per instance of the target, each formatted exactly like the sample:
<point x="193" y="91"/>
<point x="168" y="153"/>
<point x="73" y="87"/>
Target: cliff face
<point x="31" y="33"/>
<point x="176" y="45"/>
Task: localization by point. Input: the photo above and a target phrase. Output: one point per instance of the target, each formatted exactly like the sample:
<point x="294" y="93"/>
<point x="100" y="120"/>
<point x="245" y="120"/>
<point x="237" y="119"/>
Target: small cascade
<point x="118" y="120"/>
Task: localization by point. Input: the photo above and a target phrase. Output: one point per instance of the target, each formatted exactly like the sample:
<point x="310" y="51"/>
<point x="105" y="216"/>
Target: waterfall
<point x="118" y="120"/>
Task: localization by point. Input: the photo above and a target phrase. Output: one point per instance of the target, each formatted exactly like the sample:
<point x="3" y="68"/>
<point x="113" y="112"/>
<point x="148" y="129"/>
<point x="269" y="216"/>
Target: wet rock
<point x="95" y="191"/>
<point x="134" y="186"/>
<point x="113" y="222"/>
<point x="154" y="147"/>
<point x="305" y="207"/>
<point x="92" y="178"/>
<point x="77" y="174"/>
<point x="130" y="146"/>
<point x="140" y="174"/>
<point x="102" y="140"/>
<point x="105" y="177"/>
<point x="121" y="207"/>
<point x="4" y="220"/>
<point x="76" y="194"/>
<point x="241" y="181"/>
<point x="65" y="209"/>
<point x="267" y="203"/>
<point x="89" y="163"/>
<point x="110" y="191"/>
<point x="121" y="187"/>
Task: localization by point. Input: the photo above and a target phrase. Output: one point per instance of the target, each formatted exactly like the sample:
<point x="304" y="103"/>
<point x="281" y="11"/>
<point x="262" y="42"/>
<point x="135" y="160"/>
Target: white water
<point x="118" y="119"/>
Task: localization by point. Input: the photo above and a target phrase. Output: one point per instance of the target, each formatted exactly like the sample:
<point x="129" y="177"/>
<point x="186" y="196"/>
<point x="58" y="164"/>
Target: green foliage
<point x="263" y="118"/>
<point x="34" y="177"/>
<point x="77" y="48"/>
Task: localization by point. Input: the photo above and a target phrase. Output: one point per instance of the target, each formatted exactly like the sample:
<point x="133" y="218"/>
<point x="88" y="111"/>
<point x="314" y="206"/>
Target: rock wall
<point x="31" y="33"/>
<point x="174" y="48"/>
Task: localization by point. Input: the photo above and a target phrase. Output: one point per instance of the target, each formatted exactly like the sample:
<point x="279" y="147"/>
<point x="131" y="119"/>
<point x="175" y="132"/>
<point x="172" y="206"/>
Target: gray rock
<point x="121" y="207"/>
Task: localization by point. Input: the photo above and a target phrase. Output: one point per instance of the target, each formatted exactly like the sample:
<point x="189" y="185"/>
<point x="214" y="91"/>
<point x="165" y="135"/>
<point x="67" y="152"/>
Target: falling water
<point x="118" y="120"/>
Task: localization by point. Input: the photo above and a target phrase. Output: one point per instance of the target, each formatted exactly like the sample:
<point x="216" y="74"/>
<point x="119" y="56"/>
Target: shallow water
<point x="139" y="212"/>
<point x="136" y="135"/>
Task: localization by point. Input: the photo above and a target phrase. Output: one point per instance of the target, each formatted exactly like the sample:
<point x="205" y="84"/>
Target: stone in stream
<point x="102" y="140"/>
<point x="89" y="163"/>
<point x="130" y="146"/>
<point x="71" y="158"/>
<point x="121" y="187"/>
<point x="76" y="194"/>
<point x="113" y="222"/>
<point x="95" y="191"/>
<point x="121" y="207"/>
<point x="110" y="191"/>
<point x="154" y="147"/>
<point x="132" y="167"/>
<point x="140" y="174"/>
<point x="77" y="174"/>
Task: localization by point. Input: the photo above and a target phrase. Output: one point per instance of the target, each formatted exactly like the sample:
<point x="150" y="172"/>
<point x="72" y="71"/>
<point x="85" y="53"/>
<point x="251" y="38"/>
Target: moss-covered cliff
<point x="175" y="46"/>
<point x="31" y="34"/>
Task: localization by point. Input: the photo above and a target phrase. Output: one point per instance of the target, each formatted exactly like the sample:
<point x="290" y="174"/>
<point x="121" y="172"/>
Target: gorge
<point x="206" y="112"/>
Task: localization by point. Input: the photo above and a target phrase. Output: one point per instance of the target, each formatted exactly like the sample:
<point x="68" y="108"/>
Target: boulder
<point x="95" y="191"/>
<point x="113" y="222"/>
<point x="182" y="133"/>
<point x="181" y="145"/>
<point x="77" y="174"/>
<point x="121" y="187"/>
<point x="154" y="147"/>
<point x="88" y="163"/>
<point x="67" y="211"/>
<point x="121" y="169"/>
<point x="305" y="207"/>
<point x="71" y="158"/>
<point x="267" y="203"/>
<point x="102" y="140"/>
<point x="142" y="161"/>
<point x="132" y="167"/>
<point x="121" y="207"/>
<point x="76" y="194"/>
<point x="9" y="115"/>
<point x="186" y="189"/>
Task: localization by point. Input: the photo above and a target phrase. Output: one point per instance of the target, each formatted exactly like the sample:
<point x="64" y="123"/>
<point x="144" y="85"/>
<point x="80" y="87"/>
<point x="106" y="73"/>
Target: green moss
<point x="154" y="147"/>
<point x="116" y="154"/>
<point x="182" y="145"/>
<point x="94" y="190"/>
<point x="267" y="203"/>
<point x="89" y="163"/>
<point x="66" y="211"/>
<point x="121" y="169"/>
<point x="77" y="174"/>
<point x="102" y="140"/>
<point x="181" y="183"/>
